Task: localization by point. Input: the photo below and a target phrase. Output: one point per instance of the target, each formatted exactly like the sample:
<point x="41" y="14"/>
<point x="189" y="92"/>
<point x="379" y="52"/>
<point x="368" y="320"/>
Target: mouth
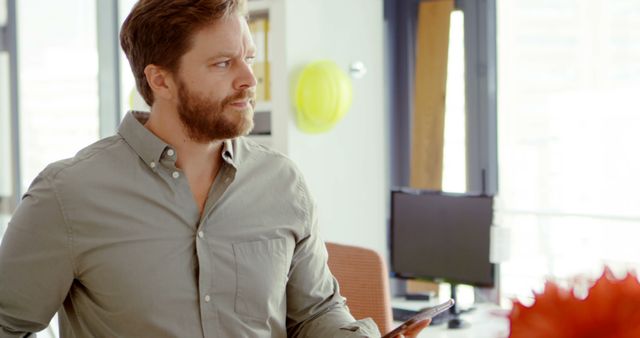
<point x="241" y="104"/>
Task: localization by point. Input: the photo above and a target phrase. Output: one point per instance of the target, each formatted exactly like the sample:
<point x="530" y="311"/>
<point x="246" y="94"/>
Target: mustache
<point x="245" y="94"/>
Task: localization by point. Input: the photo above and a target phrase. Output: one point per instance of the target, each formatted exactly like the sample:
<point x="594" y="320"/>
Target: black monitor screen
<point x="441" y="236"/>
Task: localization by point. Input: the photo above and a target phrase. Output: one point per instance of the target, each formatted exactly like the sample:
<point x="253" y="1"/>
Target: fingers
<point x="415" y="329"/>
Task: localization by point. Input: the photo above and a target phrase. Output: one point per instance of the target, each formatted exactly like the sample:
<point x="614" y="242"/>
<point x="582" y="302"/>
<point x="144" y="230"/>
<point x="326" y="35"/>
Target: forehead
<point x="230" y="34"/>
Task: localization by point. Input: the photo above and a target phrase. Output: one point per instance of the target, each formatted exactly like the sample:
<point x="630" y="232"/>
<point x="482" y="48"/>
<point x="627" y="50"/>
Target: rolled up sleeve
<point x="315" y="307"/>
<point x="36" y="269"/>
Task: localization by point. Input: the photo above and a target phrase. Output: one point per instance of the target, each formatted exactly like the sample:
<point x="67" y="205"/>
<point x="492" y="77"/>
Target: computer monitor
<point x="441" y="236"/>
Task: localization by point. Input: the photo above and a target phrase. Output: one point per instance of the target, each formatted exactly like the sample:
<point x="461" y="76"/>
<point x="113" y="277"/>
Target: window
<point x="6" y="189"/>
<point x="129" y="97"/>
<point x="3" y="12"/>
<point x="569" y="78"/>
<point x="454" y="174"/>
<point x="58" y="79"/>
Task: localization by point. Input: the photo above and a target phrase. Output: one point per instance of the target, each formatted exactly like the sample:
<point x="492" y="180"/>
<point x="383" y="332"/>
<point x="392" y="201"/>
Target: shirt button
<point x="170" y="152"/>
<point x="152" y="164"/>
<point x="175" y="174"/>
<point x="200" y="234"/>
<point x="207" y="298"/>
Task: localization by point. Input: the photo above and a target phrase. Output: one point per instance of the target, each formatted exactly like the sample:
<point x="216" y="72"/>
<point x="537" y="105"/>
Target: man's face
<point x="216" y="86"/>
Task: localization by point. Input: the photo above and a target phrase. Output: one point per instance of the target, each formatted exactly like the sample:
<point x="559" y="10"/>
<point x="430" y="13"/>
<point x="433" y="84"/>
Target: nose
<point x="245" y="78"/>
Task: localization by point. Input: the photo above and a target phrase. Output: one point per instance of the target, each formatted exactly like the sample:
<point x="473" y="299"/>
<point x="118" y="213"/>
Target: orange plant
<point x="610" y="310"/>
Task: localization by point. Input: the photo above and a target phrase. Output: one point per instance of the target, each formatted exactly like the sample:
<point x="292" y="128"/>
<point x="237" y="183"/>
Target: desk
<point x="487" y="321"/>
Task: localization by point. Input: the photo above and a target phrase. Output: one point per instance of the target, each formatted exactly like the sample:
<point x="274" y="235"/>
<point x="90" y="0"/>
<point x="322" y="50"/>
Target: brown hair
<point x="159" y="32"/>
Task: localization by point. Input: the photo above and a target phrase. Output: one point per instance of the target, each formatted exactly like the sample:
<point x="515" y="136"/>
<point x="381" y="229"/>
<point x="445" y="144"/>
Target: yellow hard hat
<point x="323" y="96"/>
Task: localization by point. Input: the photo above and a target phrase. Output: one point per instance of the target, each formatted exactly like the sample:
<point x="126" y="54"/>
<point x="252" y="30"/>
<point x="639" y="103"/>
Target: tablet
<point x="422" y="315"/>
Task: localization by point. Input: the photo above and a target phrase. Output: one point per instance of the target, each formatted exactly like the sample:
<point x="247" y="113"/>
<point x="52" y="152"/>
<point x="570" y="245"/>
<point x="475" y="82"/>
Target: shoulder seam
<point x="259" y="147"/>
<point x="304" y="194"/>
<point x="67" y="226"/>
<point x="76" y="159"/>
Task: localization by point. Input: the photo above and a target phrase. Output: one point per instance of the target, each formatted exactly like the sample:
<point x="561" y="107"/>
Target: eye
<point x="250" y="59"/>
<point x="223" y="64"/>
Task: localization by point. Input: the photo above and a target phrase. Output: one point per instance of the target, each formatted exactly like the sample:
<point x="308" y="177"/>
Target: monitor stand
<point x="455" y="322"/>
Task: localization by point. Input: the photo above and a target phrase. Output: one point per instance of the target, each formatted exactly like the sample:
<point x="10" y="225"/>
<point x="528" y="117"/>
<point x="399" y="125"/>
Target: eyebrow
<point x="229" y="54"/>
<point x="221" y="55"/>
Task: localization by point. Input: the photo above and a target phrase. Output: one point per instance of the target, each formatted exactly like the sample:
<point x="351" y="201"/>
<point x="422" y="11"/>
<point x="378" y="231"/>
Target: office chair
<point x="364" y="281"/>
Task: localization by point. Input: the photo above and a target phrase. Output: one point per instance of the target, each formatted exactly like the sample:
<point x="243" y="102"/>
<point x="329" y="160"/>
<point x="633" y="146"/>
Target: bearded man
<point x="177" y="226"/>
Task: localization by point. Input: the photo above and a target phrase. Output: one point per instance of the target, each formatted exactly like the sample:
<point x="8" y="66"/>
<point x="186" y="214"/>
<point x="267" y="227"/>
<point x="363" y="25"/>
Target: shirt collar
<point x="147" y="145"/>
<point x="228" y="153"/>
<point x="151" y="148"/>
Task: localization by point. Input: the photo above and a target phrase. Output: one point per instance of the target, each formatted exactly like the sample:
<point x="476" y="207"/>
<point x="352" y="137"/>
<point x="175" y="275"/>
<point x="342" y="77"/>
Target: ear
<point x="160" y="81"/>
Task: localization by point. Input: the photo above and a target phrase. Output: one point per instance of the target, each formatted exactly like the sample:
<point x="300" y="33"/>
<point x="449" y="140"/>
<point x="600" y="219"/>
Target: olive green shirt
<point x="113" y="239"/>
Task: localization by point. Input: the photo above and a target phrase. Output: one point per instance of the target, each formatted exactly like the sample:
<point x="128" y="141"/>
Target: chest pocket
<point x="261" y="275"/>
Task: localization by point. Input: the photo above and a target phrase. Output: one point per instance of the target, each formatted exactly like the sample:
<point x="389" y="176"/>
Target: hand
<point x="414" y="330"/>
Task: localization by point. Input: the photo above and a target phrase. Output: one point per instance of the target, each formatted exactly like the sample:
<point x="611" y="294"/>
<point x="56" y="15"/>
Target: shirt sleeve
<point x="36" y="269"/>
<point x="315" y="307"/>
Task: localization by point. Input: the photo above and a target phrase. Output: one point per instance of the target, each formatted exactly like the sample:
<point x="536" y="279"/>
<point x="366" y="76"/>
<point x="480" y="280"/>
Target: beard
<point x="206" y="120"/>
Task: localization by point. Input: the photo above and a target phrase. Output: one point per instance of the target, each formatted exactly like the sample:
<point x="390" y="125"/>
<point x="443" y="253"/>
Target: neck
<point x="192" y="156"/>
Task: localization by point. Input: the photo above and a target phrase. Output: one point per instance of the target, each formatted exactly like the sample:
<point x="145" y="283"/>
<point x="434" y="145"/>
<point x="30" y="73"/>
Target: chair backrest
<point x="364" y="281"/>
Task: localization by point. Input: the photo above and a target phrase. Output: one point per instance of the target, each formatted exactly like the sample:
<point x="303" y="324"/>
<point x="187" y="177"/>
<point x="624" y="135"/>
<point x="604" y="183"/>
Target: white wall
<point x="347" y="167"/>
